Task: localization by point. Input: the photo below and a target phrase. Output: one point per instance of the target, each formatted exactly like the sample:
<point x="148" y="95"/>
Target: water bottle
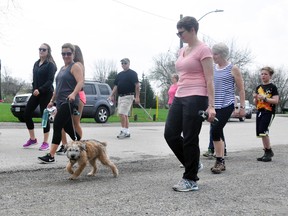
<point x="205" y="115"/>
<point x="45" y="117"/>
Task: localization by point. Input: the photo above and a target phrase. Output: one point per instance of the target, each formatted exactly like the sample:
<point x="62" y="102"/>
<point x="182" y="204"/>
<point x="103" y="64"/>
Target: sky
<point x="139" y="30"/>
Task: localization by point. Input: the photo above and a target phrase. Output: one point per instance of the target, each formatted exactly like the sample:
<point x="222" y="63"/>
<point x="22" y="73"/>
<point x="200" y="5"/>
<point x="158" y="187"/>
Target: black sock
<point x="220" y="159"/>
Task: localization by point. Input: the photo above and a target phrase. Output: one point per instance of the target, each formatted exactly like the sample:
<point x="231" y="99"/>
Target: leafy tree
<point x="111" y="78"/>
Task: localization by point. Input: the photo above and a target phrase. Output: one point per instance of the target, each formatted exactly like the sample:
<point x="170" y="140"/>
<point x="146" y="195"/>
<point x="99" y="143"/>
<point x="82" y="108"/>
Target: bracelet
<point x="51" y="101"/>
<point x="211" y="106"/>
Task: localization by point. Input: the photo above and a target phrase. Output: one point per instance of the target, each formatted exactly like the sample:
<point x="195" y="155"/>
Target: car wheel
<point x="249" y="116"/>
<point x="102" y="115"/>
<point x="242" y="119"/>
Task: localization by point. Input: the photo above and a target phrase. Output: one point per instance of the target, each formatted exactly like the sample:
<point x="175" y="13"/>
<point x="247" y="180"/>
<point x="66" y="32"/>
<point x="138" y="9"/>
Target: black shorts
<point x="263" y="121"/>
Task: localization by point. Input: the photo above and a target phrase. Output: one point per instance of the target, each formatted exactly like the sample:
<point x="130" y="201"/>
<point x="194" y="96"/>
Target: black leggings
<point x="42" y="100"/>
<point x="63" y="119"/>
<point x="223" y="116"/>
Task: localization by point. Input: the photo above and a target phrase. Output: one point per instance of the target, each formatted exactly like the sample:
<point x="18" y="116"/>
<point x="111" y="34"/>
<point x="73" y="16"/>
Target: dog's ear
<point x="65" y="148"/>
<point x="83" y="147"/>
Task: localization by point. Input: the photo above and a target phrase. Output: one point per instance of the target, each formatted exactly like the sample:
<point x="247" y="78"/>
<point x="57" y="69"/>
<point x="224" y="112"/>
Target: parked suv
<point x="96" y="106"/>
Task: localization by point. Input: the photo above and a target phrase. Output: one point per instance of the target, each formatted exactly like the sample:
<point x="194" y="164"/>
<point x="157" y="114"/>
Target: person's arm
<point x="240" y="86"/>
<point x="113" y="93"/>
<point x="207" y="64"/>
<point x="137" y="93"/>
<point x="79" y="77"/>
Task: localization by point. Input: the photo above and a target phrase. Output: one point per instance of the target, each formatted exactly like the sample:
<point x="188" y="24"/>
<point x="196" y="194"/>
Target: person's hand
<point x="137" y="100"/>
<point x="36" y="92"/>
<point x="242" y="112"/>
<point x="212" y="113"/>
<point x="50" y="104"/>
<point x="71" y="97"/>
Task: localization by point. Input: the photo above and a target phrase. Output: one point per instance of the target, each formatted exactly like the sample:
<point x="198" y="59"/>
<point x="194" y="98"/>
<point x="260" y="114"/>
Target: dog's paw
<point x="116" y="174"/>
<point x="72" y="178"/>
<point x="91" y="174"/>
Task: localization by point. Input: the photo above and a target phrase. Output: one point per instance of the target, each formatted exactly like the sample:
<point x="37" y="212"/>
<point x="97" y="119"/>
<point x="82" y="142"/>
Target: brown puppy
<point x="87" y="150"/>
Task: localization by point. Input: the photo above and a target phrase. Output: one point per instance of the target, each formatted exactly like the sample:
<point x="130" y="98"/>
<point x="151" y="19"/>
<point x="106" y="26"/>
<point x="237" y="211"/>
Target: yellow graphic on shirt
<point x="261" y="104"/>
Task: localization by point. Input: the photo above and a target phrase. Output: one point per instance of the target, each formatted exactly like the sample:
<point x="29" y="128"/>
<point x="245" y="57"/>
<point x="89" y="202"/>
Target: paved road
<point x="148" y="169"/>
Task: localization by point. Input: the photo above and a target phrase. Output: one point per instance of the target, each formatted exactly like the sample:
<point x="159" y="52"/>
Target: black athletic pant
<point x="42" y="100"/>
<point x="63" y="119"/>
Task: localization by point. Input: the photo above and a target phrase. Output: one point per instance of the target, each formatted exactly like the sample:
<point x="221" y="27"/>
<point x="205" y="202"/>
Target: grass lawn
<point x="7" y="116"/>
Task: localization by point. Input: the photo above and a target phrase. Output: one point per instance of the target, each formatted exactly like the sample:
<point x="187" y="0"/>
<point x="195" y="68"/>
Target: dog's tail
<point x="103" y="143"/>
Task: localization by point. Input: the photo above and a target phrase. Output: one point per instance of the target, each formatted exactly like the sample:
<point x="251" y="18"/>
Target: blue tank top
<point x="65" y="85"/>
<point x="224" y="87"/>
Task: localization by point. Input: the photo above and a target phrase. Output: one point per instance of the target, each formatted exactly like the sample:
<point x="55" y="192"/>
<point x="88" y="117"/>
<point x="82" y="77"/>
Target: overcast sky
<point x="139" y="30"/>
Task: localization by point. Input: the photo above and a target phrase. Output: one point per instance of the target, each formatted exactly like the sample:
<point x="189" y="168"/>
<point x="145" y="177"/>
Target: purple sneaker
<point x="44" y="146"/>
<point x="30" y="143"/>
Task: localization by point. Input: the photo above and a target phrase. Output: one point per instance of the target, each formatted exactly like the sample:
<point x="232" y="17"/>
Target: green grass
<point x="7" y="116"/>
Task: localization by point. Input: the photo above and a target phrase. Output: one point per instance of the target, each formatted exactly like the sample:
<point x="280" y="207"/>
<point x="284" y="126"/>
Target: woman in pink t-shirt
<point x="195" y="92"/>
<point x="173" y="88"/>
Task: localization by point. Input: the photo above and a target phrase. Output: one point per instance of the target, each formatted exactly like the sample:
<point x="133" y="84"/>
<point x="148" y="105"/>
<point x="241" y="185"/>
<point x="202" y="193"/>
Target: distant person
<point x="265" y="98"/>
<point x="226" y="75"/>
<point x="173" y="88"/>
<point x="42" y="90"/>
<point x="69" y="82"/>
<point x="127" y="86"/>
<point x="78" y="59"/>
<point x="195" y="92"/>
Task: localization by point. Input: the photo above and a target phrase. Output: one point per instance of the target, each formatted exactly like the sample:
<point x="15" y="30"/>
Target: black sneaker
<point x="47" y="159"/>
<point x="61" y="150"/>
<point x="267" y="157"/>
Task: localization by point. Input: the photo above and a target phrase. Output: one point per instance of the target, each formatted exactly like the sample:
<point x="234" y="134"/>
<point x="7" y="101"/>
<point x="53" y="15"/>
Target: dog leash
<point x="73" y="126"/>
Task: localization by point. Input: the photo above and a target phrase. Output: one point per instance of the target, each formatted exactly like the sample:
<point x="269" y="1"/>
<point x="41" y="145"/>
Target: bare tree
<point x="103" y="68"/>
<point x="164" y="67"/>
<point x="11" y="86"/>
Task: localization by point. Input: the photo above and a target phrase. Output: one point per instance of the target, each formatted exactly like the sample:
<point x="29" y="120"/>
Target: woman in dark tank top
<point x="69" y="81"/>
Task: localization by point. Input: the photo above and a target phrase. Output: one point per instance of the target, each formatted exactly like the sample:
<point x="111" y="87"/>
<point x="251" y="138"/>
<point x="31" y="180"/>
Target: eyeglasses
<point x="42" y="49"/>
<point x="179" y="34"/>
<point x="66" y="54"/>
<point x="124" y="63"/>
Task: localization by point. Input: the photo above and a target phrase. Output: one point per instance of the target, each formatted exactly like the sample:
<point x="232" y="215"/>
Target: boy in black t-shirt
<point x="265" y="98"/>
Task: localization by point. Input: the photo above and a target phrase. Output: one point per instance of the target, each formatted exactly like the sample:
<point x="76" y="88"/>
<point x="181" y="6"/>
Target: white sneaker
<point x="123" y="135"/>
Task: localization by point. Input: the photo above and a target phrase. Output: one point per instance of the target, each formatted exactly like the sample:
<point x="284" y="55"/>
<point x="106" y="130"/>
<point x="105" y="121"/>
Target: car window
<point x="104" y="90"/>
<point x="89" y="89"/>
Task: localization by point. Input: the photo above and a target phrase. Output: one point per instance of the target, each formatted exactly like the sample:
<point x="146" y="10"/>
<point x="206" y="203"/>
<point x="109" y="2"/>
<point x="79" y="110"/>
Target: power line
<point x="144" y="11"/>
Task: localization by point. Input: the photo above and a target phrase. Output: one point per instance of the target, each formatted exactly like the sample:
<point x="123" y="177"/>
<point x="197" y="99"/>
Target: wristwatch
<point x="242" y="107"/>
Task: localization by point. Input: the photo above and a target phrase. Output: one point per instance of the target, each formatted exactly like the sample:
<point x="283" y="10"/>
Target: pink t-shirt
<point x="171" y="93"/>
<point x="191" y="75"/>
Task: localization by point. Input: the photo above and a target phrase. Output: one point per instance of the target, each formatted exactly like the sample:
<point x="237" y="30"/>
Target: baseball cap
<point x="125" y="60"/>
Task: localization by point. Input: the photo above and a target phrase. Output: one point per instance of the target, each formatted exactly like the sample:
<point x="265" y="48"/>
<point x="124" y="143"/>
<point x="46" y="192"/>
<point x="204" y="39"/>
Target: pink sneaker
<point x="30" y="143"/>
<point x="44" y="146"/>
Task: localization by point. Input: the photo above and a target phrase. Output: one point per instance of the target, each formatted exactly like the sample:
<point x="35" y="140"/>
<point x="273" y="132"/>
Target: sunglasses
<point x="179" y="34"/>
<point x="42" y="50"/>
<point x="124" y="63"/>
<point x="66" y="54"/>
